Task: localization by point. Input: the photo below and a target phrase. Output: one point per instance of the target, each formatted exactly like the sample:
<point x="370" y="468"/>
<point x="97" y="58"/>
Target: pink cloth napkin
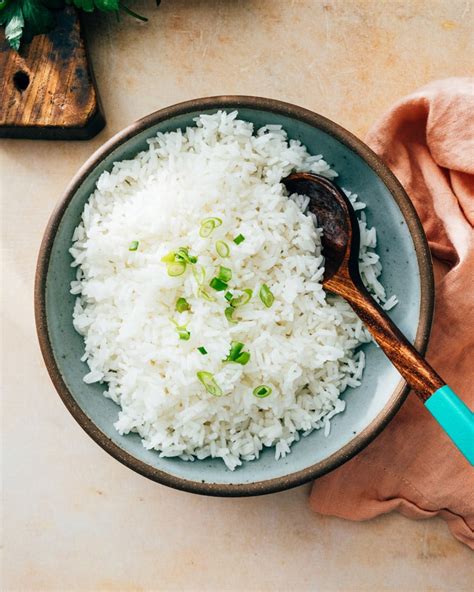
<point x="427" y="139"/>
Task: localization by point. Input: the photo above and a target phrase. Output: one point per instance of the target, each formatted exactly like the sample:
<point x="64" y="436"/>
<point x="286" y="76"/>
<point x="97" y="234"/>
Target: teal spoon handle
<point x="456" y="419"/>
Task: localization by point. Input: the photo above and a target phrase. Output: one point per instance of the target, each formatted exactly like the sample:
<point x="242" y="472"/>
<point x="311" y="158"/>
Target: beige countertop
<point x="74" y="518"/>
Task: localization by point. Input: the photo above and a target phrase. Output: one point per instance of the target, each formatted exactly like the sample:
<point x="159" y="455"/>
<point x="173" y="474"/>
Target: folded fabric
<point x="427" y="139"/>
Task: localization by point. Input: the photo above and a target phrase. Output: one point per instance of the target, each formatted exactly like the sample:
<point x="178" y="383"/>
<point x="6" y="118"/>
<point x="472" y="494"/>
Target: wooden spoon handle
<point x="411" y="365"/>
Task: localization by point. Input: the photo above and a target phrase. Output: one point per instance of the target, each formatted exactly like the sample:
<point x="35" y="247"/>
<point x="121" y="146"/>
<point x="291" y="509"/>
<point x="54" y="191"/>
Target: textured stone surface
<point x="74" y="518"/>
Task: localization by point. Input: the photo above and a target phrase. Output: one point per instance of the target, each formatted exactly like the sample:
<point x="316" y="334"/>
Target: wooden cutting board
<point x="48" y="90"/>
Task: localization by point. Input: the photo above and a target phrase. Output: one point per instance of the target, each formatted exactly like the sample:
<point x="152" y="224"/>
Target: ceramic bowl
<point x="407" y="272"/>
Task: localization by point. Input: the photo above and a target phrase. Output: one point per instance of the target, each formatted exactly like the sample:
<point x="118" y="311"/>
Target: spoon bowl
<point x="335" y="214"/>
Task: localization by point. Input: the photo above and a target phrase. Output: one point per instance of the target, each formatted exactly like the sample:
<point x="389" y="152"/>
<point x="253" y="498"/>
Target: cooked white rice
<point x="304" y="347"/>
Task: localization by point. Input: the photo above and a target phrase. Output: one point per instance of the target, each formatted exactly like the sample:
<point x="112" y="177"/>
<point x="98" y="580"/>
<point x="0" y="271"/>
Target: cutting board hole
<point x="21" y="80"/>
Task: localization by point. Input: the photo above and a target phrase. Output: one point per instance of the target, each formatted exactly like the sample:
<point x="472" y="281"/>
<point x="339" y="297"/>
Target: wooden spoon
<point x="341" y="242"/>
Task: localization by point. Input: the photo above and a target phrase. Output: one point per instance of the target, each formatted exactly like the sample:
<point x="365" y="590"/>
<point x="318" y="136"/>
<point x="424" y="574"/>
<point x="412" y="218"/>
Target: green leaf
<point x="4" y="4"/>
<point x="91" y="5"/>
<point x="107" y="5"/>
<point x="14" y="26"/>
<point x="23" y="19"/>
<point x="38" y="19"/>
<point x="7" y="13"/>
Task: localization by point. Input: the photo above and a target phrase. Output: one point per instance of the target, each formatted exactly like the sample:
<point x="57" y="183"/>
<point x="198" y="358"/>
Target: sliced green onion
<point x="243" y="358"/>
<point x="182" y="254"/>
<point x="176" y="268"/>
<point x="225" y="274"/>
<point x="237" y="355"/>
<point x="262" y="391"/>
<point x="216" y="221"/>
<point x="266" y="295"/>
<point x="208" y="380"/>
<point x="229" y="311"/>
<point x="183" y="333"/>
<point x="208" y="225"/>
<point x="242" y="299"/>
<point x="228" y="296"/>
<point x="222" y="248"/>
<point x="204" y="294"/>
<point x="239" y="239"/>
<point x="235" y="348"/>
<point x="182" y="304"/>
<point x="202" y="350"/>
<point x="169" y="257"/>
<point x="199" y="274"/>
<point x="217" y="284"/>
<point x="133" y="246"/>
<point x="206" y="229"/>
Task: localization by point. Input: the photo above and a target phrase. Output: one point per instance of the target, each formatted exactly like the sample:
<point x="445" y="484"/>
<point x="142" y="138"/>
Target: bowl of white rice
<point x="179" y="300"/>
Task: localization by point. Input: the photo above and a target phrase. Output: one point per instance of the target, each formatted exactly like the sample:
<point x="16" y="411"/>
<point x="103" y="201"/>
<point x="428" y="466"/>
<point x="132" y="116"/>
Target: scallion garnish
<point x="133" y="246"/>
<point x="182" y="304"/>
<point x="176" y="268"/>
<point x="206" y="229"/>
<point x="216" y="221"/>
<point x="183" y="333"/>
<point x="202" y="350"/>
<point x="204" y="294"/>
<point x="239" y="239"/>
<point x="243" y="358"/>
<point x="182" y="254"/>
<point x="235" y="348"/>
<point x="229" y="311"/>
<point x="237" y="355"/>
<point x="199" y="274"/>
<point x="208" y="225"/>
<point x="235" y="302"/>
<point x="208" y="380"/>
<point x="225" y="274"/>
<point x="176" y="261"/>
<point x="242" y="299"/>
<point x="217" y="284"/>
<point x="169" y="257"/>
<point x="262" y="391"/>
<point x="266" y="296"/>
<point x="222" y="249"/>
